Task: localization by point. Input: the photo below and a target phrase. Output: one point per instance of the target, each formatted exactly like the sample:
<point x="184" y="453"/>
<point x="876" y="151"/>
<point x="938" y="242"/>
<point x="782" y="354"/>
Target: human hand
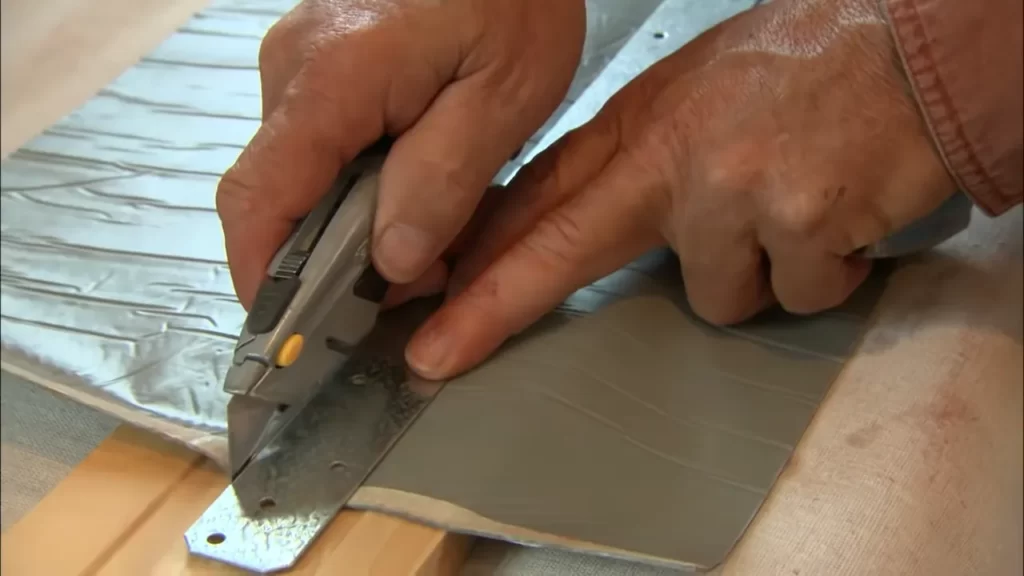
<point x="766" y="153"/>
<point x="462" y="84"/>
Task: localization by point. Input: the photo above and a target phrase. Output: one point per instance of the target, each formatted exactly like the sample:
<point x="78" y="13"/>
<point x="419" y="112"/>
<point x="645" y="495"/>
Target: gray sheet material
<point x="634" y="427"/>
<point x="492" y="558"/>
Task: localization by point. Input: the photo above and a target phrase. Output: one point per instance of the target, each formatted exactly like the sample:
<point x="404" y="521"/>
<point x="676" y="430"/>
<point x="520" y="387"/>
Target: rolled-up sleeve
<point x="964" y="59"/>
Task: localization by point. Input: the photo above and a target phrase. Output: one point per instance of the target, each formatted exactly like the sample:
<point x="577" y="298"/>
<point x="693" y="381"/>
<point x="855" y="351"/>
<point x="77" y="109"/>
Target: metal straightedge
<point x="277" y="507"/>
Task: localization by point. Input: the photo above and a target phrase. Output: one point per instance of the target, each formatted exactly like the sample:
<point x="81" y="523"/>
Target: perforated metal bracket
<point x="279" y="505"/>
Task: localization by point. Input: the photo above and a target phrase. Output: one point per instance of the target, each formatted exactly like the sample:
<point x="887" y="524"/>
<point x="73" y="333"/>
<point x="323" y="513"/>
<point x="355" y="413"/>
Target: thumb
<point x="438" y="171"/>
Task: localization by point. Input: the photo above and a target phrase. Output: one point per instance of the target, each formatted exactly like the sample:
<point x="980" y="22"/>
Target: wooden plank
<point x="125" y="508"/>
<point x="101" y="500"/>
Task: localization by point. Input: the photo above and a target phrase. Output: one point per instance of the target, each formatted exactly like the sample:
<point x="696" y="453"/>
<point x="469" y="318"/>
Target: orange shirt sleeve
<point x="964" y="59"/>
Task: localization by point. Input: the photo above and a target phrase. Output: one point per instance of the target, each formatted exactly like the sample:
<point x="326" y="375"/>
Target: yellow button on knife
<point x="289" y="351"/>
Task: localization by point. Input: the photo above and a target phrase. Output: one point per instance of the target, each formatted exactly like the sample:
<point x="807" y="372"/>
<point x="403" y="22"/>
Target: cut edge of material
<point x="447" y="516"/>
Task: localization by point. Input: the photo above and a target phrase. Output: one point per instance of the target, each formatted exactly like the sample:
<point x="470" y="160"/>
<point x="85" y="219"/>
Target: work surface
<point x="918" y="447"/>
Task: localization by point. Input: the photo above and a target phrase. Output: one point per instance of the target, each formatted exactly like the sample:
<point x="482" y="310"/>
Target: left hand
<point x="766" y="153"/>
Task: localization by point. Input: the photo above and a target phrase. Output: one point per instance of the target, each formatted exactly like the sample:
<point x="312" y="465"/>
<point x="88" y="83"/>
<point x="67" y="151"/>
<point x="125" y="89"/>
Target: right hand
<point x="462" y="84"/>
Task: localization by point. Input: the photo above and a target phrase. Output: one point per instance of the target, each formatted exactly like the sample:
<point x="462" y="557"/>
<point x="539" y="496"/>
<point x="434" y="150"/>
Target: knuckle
<point x="324" y="45"/>
<point x="235" y="198"/>
<point x="540" y="171"/>
<point x="798" y="214"/>
<point x="300" y="42"/>
<point x="489" y="296"/>
<point x="447" y="184"/>
<point x="482" y="291"/>
<point x="655" y="151"/>
<point x="555" y="241"/>
<point x="276" y="42"/>
<point x="311" y="87"/>
<point x="460" y="184"/>
<point x="274" y="36"/>
<point x="732" y="168"/>
<point x="549" y="172"/>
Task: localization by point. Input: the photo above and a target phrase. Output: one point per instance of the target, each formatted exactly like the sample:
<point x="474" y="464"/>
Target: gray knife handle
<point x="948" y="220"/>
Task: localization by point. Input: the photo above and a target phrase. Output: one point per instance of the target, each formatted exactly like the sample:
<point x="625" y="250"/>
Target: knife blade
<point x="319" y="299"/>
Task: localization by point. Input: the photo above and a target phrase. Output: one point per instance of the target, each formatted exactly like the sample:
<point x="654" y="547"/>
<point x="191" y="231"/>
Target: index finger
<point x="338" y="103"/>
<point x="602" y="228"/>
<point x="285" y="169"/>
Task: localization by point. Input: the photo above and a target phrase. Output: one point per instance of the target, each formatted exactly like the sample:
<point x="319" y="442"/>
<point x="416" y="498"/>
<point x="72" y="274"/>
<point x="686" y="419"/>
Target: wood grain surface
<point x="125" y="508"/>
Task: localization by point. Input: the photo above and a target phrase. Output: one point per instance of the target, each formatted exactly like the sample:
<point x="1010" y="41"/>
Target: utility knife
<point x="320" y="298"/>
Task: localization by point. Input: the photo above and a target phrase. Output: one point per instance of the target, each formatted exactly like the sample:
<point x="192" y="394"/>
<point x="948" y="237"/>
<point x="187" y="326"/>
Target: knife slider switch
<point x="289" y="351"/>
<point x="271" y="301"/>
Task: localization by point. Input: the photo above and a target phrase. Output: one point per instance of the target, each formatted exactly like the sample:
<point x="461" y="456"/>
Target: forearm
<point x="964" y="61"/>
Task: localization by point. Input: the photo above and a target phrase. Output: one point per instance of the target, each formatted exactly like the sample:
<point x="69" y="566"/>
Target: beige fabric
<point x="913" y="464"/>
<point x="43" y="437"/>
<point x="25" y="478"/>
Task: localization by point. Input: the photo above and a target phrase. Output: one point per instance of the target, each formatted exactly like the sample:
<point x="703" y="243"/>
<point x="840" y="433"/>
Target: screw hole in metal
<point x="660" y="35"/>
<point x="216" y="538"/>
<point x="267" y="503"/>
<point x="337" y="465"/>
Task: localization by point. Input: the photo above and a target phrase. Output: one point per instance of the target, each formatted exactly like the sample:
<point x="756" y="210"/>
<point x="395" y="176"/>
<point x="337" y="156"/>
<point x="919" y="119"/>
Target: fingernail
<point x="428" y="352"/>
<point x="401" y="252"/>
